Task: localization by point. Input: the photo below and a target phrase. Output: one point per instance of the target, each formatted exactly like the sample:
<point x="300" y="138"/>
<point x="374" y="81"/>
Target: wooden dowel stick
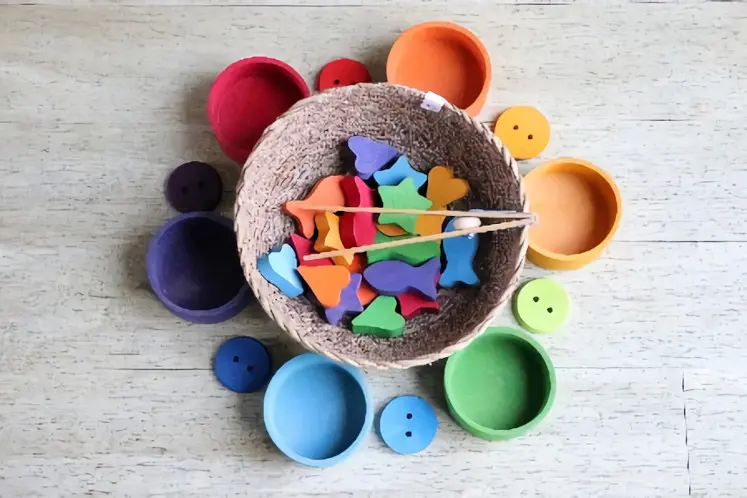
<point x="441" y="212"/>
<point x="417" y="240"/>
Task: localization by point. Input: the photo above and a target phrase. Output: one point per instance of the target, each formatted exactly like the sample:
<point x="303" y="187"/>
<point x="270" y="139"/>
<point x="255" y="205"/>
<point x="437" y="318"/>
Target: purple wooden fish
<point x="349" y="302"/>
<point x="392" y="278"/>
<point x="370" y="155"/>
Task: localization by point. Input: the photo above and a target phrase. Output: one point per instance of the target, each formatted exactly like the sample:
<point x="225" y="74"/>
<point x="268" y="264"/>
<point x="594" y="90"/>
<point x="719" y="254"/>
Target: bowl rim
<point x="488" y="432"/>
<point x="277" y="382"/>
<point x="417" y="29"/>
<point x="545" y="168"/>
<point x="230" y="308"/>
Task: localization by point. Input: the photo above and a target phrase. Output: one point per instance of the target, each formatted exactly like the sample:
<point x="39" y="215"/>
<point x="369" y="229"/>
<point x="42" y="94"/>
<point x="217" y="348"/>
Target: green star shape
<point x="402" y="196"/>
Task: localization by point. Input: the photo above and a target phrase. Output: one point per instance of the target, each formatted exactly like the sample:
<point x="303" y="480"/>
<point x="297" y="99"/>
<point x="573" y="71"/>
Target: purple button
<point x="194" y="186"/>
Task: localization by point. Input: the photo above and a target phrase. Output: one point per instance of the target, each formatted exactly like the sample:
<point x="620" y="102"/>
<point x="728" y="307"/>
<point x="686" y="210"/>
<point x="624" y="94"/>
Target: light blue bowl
<point x="316" y="411"/>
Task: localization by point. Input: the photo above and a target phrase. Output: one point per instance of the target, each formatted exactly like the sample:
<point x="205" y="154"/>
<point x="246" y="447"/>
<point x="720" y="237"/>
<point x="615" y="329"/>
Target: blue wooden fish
<point x="460" y="254"/>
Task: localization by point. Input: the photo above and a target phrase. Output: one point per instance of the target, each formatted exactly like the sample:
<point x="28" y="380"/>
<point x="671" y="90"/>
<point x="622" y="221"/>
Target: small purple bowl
<point x="193" y="267"/>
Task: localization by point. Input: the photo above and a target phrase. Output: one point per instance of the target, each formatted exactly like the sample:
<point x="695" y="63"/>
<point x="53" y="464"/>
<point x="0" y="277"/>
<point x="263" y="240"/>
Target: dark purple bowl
<point x="193" y="267"/>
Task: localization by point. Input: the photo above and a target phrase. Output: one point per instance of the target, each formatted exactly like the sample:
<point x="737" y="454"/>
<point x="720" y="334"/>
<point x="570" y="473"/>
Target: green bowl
<point x="501" y="386"/>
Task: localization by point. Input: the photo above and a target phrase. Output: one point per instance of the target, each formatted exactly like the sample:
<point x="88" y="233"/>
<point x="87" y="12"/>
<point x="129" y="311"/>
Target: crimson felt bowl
<point x="193" y="266"/>
<point x="247" y="97"/>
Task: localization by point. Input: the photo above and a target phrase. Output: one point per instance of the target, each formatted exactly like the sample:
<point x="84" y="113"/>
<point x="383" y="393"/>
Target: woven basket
<point x="304" y="145"/>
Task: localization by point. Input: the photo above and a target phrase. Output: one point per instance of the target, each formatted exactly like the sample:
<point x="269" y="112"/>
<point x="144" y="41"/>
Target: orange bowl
<point x="579" y="209"/>
<point x="443" y="58"/>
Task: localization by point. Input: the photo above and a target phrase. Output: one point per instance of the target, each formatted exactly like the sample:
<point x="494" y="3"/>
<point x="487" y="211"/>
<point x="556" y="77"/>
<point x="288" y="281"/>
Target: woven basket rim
<point x="253" y="275"/>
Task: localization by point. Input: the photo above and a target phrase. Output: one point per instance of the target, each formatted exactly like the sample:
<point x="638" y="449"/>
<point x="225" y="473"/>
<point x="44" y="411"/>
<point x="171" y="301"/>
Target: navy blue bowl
<point x="194" y="269"/>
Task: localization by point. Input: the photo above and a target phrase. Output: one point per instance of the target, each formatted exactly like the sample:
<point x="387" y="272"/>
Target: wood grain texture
<point x="151" y="431"/>
<point x="104" y="392"/>
<point x="333" y="3"/>
<point x="715" y="410"/>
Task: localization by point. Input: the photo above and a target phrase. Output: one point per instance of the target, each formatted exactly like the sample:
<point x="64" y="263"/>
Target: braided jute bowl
<point x="305" y="144"/>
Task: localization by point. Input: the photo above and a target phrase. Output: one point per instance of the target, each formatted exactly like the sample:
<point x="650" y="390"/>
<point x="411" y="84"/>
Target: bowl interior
<point x="306" y="145"/>
<point x="441" y="59"/>
<point x="247" y="98"/>
<point x="500" y="382"/>
<point x="577" y="208"/>
<point x="198" y="265"/>
<point x="319" y="410"/>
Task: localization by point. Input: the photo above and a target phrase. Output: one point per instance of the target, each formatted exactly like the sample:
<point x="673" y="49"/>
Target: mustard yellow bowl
<point x="579" y="208"/>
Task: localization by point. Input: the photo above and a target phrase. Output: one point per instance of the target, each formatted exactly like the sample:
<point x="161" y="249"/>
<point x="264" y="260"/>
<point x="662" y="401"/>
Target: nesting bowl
<point x="305" y="145"/>
<point x="316" y="411"/>
<point x="579" y="208"/>
<point x="444" y="58"/>
<point x="193" y="268"/>
<point x="501" y="386"/>
<point x="246" y="97"/>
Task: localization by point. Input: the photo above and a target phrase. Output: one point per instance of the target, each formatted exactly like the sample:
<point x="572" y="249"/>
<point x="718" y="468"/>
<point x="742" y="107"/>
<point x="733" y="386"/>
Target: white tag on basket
<point x="433" y="102"/>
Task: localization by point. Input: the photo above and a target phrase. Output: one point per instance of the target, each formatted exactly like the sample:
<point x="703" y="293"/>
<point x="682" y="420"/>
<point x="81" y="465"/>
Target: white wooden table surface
<point x="104" y="393"/>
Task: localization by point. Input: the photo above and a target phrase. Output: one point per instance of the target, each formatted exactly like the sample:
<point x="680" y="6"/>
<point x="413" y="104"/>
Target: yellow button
<point x="524" y="130"/>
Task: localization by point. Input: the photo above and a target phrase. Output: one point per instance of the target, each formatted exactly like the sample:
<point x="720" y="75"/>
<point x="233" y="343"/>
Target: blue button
<point x="408" y="424"/>
<point x="242" y="364"/>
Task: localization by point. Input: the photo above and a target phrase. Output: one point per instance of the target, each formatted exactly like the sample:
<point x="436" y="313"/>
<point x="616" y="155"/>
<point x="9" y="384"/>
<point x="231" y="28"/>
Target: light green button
<point x="541" y="306"/>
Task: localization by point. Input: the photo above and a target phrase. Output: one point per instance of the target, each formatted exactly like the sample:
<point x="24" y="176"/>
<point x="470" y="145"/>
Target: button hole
<point x="530" y="137"/>
<point x="408" y="434"/>
<point x="337" y="82"/>
<point x="185" y="190"/>
<point x="235" y="359"/>
<point x="200" y="184"/>
<point x="549" y="310"/>
<point x="536" y="299"/>
<point x="409" y="415"/>
<point x="516" y="127"/>
<point x="249" y="368"/>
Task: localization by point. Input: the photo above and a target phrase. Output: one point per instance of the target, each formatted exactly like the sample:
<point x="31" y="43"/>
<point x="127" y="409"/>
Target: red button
<point x="342" y="72"/>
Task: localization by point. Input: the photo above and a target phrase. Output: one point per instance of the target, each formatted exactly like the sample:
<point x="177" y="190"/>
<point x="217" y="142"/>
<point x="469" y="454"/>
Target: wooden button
<point x="408" y="424"/>
<point x="194" y="186"/>
<point x="242" y="364"/>
<point x="541" y="306"/>
<point x="342" y="72"/>
<point x="524" y="130"/>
